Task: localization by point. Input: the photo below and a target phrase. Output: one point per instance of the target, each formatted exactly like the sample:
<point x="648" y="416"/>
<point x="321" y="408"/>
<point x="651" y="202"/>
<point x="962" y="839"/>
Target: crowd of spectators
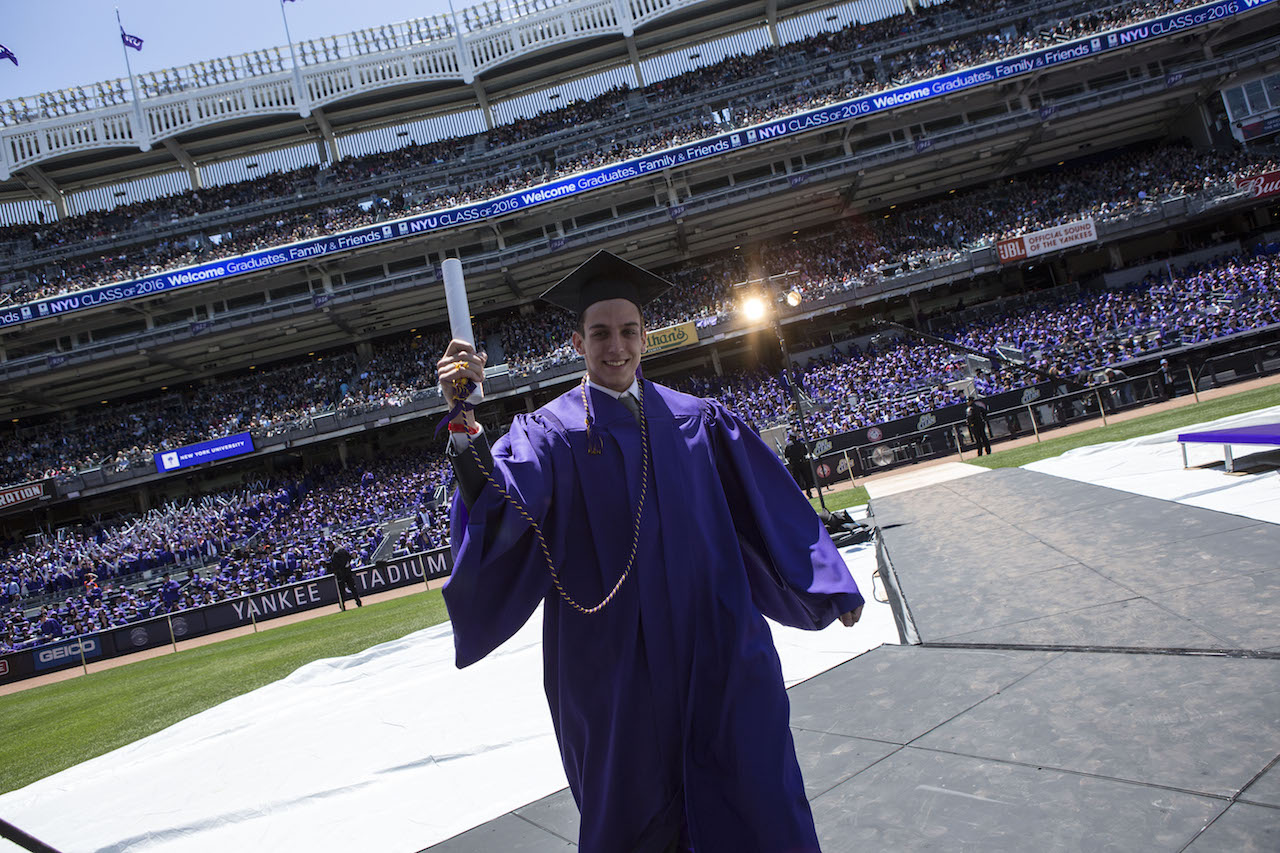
<point x="262" y="536"/>
<point x="127" y="435"/>
<point x="1073" y="333"/>
<point x="222" y="546"/>
<point x="487" y="177"/>
<point x="825" y="264"/>
<point x="859" y="251"/>
<point x="1106" y="189"/>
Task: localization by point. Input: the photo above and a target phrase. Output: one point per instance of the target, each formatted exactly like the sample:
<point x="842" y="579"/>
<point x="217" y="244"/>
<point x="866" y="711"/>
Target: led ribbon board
<point x="1004" y="69"/>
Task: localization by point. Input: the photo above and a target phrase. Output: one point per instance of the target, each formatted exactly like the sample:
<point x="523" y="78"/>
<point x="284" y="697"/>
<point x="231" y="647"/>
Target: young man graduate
<point x="658" y="531"/>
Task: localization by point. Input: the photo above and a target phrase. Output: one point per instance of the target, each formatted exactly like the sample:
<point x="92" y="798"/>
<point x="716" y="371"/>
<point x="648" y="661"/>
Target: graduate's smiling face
<point x="611" y="340"/>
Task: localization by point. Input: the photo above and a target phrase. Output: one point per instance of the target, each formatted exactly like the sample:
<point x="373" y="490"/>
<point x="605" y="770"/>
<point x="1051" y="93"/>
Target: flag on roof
<point x="130" y="41"/>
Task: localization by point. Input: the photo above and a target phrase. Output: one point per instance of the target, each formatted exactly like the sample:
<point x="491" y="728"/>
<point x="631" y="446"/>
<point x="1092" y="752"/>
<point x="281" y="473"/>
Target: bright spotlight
<point x="793" y="298"/>
<point x="753" y="308"/>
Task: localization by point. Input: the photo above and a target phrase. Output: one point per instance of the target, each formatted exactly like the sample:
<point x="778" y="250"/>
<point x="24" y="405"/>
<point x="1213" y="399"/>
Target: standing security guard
<point x="798" y="460"/>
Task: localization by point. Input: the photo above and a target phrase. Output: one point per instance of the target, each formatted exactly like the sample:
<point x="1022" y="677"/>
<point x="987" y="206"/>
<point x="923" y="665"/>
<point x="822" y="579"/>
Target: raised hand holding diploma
<point x="461" y="370"/>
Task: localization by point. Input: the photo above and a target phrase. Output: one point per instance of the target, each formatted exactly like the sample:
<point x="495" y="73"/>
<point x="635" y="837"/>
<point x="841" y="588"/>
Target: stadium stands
<point x="78" y="270"/>
<point x="219" y="547"/>
<point x="126" y="436"/>
<point x="257" y="536"/>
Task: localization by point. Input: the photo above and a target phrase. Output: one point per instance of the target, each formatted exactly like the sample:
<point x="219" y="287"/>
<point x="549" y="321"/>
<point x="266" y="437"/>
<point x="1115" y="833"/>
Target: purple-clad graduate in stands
<point x="658" y="531"/>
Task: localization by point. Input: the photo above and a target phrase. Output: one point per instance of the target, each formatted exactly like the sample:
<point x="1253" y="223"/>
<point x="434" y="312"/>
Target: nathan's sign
<point x="1260" y="186"/>
<point x="1053" y="239"/>
<point x="15" y="495"/>
<point x="672" y="337"/>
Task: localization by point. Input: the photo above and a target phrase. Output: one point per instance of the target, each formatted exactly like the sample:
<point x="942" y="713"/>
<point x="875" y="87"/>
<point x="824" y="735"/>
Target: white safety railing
<point x="263" y="82"/>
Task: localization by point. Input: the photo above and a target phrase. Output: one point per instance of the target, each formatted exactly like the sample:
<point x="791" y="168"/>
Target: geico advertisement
<point x="51" y="656"/>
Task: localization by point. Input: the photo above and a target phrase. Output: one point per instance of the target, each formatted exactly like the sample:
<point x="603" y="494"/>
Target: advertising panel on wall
<point x="16" y="496"/>
<point x="1055" y="239"/>
<point x="862" y="451"/>
<point x="1261" y="186"/>
<point x="671" y="337"/>
<point x="58" y="655"/>
<point x="204" y="451"/>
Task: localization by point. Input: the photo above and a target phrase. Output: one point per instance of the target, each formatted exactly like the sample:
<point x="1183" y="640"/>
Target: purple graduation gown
<point x="668" y="704"/>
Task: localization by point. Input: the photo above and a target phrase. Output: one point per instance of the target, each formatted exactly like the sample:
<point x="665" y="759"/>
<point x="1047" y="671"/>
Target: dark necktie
<point x="632" y="406"/>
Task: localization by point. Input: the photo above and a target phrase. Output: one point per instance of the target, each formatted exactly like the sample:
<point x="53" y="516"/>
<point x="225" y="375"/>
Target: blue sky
<point x="63" y="43"/>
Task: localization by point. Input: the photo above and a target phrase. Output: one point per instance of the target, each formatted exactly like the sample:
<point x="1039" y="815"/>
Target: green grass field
<point x="49" y="728"/>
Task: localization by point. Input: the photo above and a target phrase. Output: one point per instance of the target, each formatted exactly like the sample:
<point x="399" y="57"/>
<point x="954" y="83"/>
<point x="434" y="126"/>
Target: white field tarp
<point x="1152" y="466"/>
<point x="393" y="749"/>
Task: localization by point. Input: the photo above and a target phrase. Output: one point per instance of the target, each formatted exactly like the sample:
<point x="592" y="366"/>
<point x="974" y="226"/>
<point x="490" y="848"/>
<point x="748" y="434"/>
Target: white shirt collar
<point x="634" y="390"/>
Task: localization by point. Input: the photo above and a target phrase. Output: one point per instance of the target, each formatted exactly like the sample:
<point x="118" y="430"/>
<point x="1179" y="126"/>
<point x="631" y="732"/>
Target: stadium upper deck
<point x="911" y="148"/>
<point x="477" y="65"/>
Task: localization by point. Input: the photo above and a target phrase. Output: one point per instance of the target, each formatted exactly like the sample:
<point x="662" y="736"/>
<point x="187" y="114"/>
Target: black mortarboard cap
<point x="605" y="276"/>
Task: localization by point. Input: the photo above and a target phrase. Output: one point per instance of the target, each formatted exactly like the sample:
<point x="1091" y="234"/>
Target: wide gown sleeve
<point x="499" y="571"/>
<point x="797" y="575"/>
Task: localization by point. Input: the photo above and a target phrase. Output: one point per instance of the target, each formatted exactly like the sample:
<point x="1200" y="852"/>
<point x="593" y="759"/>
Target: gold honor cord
<point x="542" y="542"/>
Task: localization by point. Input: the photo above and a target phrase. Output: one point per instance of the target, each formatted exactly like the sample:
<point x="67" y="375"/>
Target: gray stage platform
<point x="1092" y="670"/>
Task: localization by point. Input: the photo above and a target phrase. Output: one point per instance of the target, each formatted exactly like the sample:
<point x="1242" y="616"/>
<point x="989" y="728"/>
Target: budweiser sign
<point x="1049" y="240"/>
<point x="21" y="494"/>
<point x="1260" y="186"/>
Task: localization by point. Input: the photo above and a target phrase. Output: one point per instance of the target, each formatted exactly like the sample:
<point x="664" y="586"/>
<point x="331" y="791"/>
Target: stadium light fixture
<point x="753" y="308"/>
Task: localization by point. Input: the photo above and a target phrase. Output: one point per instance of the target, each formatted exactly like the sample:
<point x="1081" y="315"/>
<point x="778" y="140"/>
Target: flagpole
<point x="141" y="134"/>
<point x="304" y="103"/>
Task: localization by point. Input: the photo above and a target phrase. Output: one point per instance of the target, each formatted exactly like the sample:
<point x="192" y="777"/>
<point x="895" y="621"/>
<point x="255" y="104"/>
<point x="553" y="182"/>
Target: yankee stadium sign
<point x="1004" y="69"/>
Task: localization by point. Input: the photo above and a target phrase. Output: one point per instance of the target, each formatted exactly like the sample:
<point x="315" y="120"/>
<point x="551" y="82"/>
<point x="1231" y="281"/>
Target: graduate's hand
<point x="460" y="361"/>
<point x="851" y="618"/>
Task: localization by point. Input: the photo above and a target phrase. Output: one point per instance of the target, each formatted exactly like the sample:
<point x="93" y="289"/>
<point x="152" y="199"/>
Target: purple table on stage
<point x="1260" y="434"/>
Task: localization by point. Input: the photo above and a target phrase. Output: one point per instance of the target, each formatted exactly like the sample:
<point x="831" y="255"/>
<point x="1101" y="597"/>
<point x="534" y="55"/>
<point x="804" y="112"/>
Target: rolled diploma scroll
<point x="455" y="297"/>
